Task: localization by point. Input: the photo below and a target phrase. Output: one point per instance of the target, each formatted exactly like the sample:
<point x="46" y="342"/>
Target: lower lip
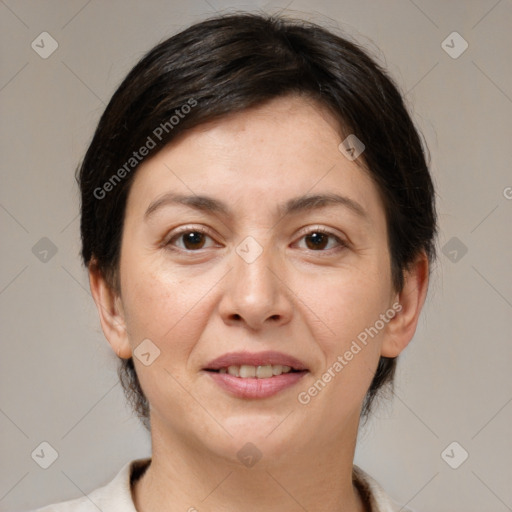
<point x="254" y="387"/>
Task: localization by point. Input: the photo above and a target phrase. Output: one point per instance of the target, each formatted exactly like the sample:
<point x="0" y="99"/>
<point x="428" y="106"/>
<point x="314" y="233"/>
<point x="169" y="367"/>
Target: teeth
<point x="277" y="369"/>
<point x="233" y="370"/>
<point x="247" y="371"/>
<point x="261" y="372"/>
<point x="264" y="372"/>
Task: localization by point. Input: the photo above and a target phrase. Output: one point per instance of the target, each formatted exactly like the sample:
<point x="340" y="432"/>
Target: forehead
<point x="286" y="148"/>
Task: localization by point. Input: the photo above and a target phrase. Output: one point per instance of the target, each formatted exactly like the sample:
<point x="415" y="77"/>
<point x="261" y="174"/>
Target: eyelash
<point x="342" y="244"/>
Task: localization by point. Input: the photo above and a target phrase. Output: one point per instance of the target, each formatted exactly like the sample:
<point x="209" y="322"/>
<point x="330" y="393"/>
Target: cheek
<point x="351" y="349"/>
<point x="171" y="311"/>
<point x="170" y="305"/>
<point x="347" y="302"/>
<point x="161" y="303"/>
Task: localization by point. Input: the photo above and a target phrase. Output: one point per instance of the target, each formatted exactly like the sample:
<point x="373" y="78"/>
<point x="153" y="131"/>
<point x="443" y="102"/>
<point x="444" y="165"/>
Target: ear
<point x="401" y="328"/>
<point x="110" y="311"/>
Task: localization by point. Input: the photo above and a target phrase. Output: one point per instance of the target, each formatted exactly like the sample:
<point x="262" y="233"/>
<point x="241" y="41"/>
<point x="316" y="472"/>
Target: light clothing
<point x="116" y="496"/>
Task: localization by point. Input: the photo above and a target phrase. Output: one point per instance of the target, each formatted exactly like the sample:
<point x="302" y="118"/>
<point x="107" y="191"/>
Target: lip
<point x="255" y="359"/>
<point x="254" y="387"/>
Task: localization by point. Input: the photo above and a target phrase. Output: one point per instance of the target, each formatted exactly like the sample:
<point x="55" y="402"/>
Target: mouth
<point x="247" y="371"/>
<point x="261" y="375"/>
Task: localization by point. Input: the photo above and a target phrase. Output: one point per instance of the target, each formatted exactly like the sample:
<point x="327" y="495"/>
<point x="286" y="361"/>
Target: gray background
<point x="58" y="376"/>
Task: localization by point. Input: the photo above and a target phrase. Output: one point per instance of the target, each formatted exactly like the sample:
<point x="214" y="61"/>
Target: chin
<point x="265" y="432"/>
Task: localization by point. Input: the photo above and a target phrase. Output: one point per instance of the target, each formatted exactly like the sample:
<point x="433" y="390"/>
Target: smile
<point x="260" y="372"/>
<point x="255" y="375"/>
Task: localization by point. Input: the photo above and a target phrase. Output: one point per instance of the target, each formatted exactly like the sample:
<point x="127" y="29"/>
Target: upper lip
<point x="255" y="359"/>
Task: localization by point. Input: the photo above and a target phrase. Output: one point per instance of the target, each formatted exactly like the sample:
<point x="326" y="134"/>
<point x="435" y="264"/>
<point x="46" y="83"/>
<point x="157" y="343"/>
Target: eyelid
<point x="186" y="229"/>
<point x="343" y="241"/>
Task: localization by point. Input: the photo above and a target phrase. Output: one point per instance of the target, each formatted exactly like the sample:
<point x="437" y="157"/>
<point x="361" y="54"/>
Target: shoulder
<point x="374" y="494"/>
<point x="115" y="496"/>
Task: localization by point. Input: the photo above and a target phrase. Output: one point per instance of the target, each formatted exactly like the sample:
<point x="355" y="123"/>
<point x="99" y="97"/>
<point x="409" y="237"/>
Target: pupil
<point x="318" y="238"/>
<point x="193" y="238"/>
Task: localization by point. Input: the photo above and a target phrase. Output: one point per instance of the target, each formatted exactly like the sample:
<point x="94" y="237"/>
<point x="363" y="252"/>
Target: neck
<point x="185" y="476"/>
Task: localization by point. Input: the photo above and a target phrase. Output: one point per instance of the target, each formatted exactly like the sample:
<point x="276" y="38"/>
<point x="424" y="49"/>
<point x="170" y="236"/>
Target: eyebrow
<point x="292" y="206"/>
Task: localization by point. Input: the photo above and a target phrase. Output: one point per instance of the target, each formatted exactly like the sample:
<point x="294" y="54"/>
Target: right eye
<point x="192" y="239"/>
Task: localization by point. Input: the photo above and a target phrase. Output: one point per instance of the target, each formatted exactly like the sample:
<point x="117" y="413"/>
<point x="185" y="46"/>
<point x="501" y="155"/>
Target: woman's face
<point x="253" y="269"/>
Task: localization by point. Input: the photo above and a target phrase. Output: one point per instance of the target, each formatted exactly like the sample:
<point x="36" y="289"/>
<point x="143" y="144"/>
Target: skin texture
<point x="200" y="303"/>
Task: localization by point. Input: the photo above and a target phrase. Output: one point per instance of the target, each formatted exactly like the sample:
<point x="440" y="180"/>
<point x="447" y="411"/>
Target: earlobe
<point x="402" y="327"/>
<point x="110" y="312"/>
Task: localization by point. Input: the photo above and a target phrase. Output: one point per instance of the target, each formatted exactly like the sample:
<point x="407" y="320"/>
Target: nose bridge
<point x="255" y="292"/>
<point x="253" y="262"/>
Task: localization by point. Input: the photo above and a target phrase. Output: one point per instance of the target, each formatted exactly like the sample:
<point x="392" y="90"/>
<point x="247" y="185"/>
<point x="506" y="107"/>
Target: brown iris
<point x="193" y="240"/>
<point x="319" y="240"/>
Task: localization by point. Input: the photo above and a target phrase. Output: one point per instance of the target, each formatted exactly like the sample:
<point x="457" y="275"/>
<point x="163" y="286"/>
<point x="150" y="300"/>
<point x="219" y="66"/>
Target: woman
<point x="258" y="224"/>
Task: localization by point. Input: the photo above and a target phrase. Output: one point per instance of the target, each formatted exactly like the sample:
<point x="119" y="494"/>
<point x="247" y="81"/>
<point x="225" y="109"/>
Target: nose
<point x="256" y="293"/>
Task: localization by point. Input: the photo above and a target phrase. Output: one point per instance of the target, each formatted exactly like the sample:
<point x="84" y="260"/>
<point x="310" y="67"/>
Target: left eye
<point x="318" y="240"/>
<point x="193" y="239"/>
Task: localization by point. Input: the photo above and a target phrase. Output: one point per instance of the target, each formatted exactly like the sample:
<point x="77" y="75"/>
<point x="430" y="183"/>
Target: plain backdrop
<point x="58" y="375"/>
